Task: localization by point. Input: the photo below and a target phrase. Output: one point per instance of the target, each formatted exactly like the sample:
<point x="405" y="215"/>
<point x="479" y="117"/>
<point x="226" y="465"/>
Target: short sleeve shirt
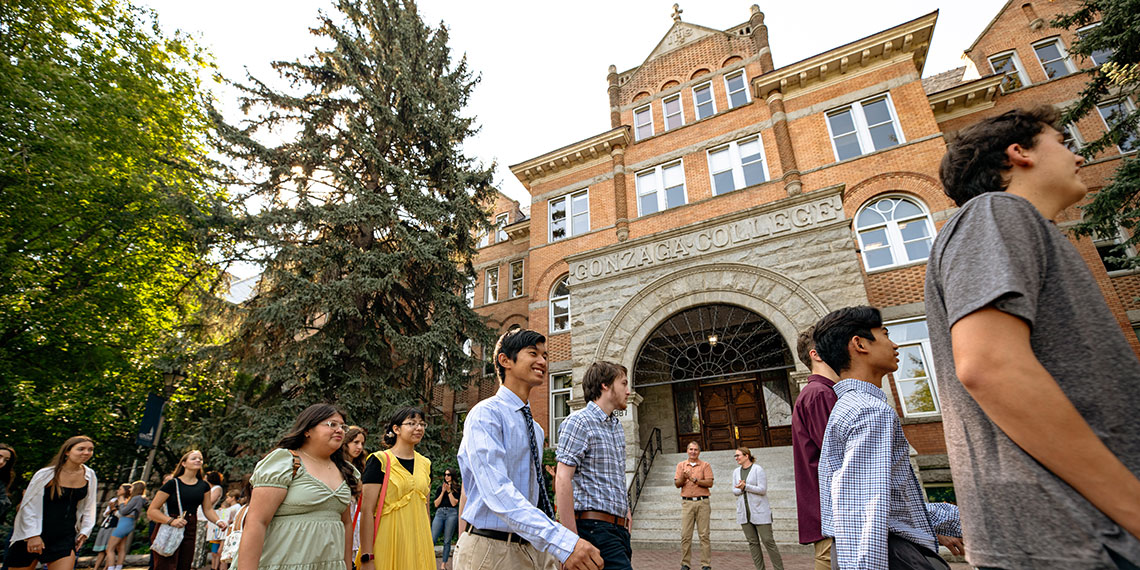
<point x="702" y="470"/>
<point x="999" y="251"/>
<point x="192" y="496"/>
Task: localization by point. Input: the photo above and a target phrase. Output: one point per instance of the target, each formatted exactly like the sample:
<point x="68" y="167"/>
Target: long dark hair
<point x="61" y="458"/>
<point x="307" y="420"/>
<point x="398" y="419"/>
<point x="350" y="434"/>
<point x="7" y="473"/>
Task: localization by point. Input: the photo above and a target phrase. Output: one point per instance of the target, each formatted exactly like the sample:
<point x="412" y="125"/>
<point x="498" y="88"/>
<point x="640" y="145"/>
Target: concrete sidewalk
<point x="644" y="559"/>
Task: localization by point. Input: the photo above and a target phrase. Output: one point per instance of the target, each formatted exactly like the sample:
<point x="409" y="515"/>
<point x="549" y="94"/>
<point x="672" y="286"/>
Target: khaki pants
<point x="823" y="554"/>
<point x="757" y="533"/>
<point x="695" y="512"/>
<point x="482" y="553"/>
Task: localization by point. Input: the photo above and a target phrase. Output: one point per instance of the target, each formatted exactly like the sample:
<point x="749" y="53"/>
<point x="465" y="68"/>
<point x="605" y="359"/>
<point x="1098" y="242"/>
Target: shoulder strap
<point x="178" y="494"/>
<point x="383" y="492"/>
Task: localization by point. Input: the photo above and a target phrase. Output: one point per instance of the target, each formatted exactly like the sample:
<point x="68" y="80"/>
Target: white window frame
<point x="491" y="286"/>
<point x="928" y="360"/>
<point x="1081" y="32"/>
<point x="680" y="111"/>
<point x="469" y="292"/>
<point x="1017" y="68"/>
<point x="1112" y="242"/>
<point x="554" y="394"/>
<point x="500" y="223"/>
<point x="712" y="100"/>
<point x="637" y="125"/>
<point x="484" y="239"/>
<point x="1068" y="61"/>
<point x="520" y="281"/>
<point x="570" y="214"/>
<point x="1074" y="134"/>
<point x="659" y="175"/>
<point x="736" y="166"/>
<point x="569" y="305"/>
<point x="1128" y="106"/>
<point x="862" y="129"/>
<point x="895" y="242"/>
<point x="728" y="90"/>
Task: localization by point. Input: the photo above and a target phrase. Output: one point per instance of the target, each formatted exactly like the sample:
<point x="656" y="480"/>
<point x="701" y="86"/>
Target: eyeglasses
<point x="414" y="425"/>
<point x="335" y="425"/>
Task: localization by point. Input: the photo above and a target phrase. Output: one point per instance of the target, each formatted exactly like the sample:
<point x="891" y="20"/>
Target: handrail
<point x="644" y="464"/>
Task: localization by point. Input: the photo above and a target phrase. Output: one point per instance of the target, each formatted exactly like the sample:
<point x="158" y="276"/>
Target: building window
<point x="469" y="292"/>
<point x="484" y="239"/>
<point x="737" y="165"/>
<point x="491" y="284"/>
<point x="1008" y="64"/>
<point x="500" y="223"/>
<point x="643" y="122"/>
<point x="1099" y="56"/>
<point x="1054" y="60"/>
<point x="560" y="391"/>
<point x="737" y="89"/>
<point x="1073" y="140"/>
<point x="1112" y="113"/>
<point x="569" y="215"/>
<point x="661" y="188"/>
<point x="864" y="127"/>
<point x="560" y="306"/>
<point x="673" y="116"/>
<point x="703" y="101"/>
<point x="915" y="380"/>
<point x="516" y="279"/>
<point x="1112" y="255"/>
<point x="893" y="231"/>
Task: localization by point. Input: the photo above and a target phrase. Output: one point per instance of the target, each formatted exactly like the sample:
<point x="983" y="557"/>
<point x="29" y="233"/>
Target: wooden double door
<point x="735" y="414"/>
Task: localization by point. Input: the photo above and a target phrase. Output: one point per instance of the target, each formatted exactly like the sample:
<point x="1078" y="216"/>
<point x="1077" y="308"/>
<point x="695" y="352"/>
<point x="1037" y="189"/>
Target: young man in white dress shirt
<point x="504" y="506"/>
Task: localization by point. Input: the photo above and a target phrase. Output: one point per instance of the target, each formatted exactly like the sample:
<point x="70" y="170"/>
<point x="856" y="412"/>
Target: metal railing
<point x="644" y="464"/>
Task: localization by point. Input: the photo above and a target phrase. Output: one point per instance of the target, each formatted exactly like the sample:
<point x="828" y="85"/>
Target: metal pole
<point x="150" y="456"/>
<point x="134" y="469"/>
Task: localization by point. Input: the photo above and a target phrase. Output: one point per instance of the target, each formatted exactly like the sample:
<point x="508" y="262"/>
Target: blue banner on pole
<point x="148" y="429"/>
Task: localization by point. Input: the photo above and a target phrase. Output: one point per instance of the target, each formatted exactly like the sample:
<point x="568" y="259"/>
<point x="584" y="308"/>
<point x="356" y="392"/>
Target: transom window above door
<point x="893" y="231"/>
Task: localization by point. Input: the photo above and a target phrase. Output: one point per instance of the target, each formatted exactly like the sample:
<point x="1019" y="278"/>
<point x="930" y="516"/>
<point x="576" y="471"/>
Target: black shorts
<point x="55" y="549"/>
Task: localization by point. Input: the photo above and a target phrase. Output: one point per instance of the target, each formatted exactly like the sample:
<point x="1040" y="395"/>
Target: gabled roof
<point x="944" y="80"/>
<point x="990" y="25"/>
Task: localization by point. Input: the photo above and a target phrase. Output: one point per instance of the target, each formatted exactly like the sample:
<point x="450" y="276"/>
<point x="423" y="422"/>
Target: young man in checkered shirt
<point x="871" y="503"/>
<point x="590" y="483"/>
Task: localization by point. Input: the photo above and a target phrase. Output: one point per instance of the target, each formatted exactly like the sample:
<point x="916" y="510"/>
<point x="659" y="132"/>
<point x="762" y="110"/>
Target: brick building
<point x="732" y="204"/>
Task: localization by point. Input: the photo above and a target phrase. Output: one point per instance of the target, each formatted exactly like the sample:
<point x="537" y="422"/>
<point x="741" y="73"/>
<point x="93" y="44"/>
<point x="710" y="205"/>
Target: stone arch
<point x="789" y="306"/>
<point x="640" y="95"/>
<point x="731" y="60"/>
<point x="699" y="72"/>
<point x="540" y="290"/>
<point x="669" y="84"/>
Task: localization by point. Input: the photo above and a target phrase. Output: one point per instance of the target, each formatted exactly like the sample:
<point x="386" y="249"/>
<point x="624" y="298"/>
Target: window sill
<point x="878" y="270"/>
<point x="1124" y="272"/>
<point x="930" y="419"/>
<point x="552" y="333"/>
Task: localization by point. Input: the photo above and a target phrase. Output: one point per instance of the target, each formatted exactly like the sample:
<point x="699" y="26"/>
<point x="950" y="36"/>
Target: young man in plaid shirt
<point x="870" y="500"/>
<point x="590" y="483"/>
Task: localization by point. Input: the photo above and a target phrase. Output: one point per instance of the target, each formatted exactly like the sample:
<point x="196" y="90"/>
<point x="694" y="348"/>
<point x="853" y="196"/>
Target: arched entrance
<point x="727" y="370"/>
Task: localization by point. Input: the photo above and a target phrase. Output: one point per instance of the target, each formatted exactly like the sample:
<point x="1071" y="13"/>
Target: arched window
<point x="560" y="306"/>
<point x="894" y="231"/>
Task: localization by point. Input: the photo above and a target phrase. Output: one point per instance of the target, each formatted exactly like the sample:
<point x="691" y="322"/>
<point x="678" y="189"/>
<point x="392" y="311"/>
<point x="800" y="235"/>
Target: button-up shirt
<point x="594" y="444"/>
<point x="867" y="486"/>
<point x="809" y="421"/>
<point x="702" y="470"/>
<point x="498" y="475"/>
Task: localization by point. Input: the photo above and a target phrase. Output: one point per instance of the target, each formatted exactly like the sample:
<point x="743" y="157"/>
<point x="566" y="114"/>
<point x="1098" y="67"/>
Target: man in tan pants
<point x="694" y="477"/>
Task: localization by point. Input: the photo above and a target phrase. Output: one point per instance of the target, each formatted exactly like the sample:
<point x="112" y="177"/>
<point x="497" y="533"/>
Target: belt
<point x="600" y="516"/>
<point x="500" y="535"/>
<point x="693" y="498"/>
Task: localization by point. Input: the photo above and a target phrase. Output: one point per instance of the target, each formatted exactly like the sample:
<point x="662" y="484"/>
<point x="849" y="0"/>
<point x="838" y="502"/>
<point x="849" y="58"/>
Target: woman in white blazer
<point x="752" y="510"/>
<point x="58" y="511"/>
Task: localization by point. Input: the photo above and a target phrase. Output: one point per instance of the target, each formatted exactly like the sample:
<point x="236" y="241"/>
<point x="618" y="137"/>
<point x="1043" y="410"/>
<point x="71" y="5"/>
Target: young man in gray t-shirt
<point x="1039" y="388"/>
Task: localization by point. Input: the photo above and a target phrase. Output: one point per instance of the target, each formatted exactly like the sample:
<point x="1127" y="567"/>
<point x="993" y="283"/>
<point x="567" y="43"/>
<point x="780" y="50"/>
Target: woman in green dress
<point x="298" y="516"/>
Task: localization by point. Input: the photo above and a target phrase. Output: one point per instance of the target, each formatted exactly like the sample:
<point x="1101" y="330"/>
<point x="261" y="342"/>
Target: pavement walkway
<point x="644" y="559"/>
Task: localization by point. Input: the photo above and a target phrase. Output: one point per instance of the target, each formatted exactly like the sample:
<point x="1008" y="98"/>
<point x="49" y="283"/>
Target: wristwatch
<point x="366" y="558"/>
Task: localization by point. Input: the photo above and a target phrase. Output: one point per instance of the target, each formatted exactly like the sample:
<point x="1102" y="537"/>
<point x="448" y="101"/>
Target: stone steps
<point x="657" y="521"/>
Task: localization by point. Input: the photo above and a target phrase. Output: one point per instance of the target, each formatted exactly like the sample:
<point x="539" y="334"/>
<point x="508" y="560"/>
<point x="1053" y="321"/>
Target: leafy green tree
<point x="1117" y="38"/>
<point x="106" y="217"/>
<point x="361" y="208"/>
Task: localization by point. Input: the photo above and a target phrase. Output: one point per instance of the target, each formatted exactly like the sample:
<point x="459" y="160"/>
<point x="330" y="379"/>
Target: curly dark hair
<point x="975" y="160"/>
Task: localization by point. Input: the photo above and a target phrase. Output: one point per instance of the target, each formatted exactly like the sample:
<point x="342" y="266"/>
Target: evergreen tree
<point x="1117" y="205"/>
<point x="362" y="216"/>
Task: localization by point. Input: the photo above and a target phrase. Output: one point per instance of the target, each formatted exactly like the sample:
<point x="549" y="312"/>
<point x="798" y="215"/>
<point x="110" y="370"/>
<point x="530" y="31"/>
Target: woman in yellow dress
<point x="403" y="539"/>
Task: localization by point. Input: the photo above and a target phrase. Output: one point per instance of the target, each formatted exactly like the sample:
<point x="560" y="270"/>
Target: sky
<point x="543" y="64"/>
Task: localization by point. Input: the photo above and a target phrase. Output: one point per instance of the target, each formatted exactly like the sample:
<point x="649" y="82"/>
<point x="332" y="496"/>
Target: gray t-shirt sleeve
<point x="997" y="259"/>
<point x="133" y="508"/>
